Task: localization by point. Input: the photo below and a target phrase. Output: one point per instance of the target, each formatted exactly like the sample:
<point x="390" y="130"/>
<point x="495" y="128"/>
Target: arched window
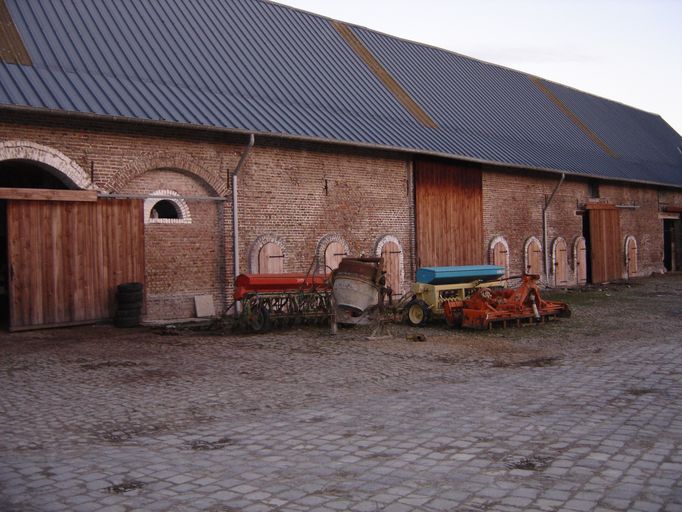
<point x="560" y="262"/>
<point x="631" y="264"/>
<point x="166" y="207"/>
<point x="533" y="256"/>
<point x="580" y="259"/>
<point x="389" y="248"/>
<point x="498" y="253"/>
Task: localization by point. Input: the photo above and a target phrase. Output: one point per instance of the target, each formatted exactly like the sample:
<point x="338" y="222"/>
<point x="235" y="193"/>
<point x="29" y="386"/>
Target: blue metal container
<point x="455" y="275"/>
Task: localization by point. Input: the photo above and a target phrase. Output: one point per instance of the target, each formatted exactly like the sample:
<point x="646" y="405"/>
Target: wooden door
<point x="560" y="263"/>
<point x="631" y="255"/>
<point x="581" y="261"/>
<point x="534" y="258"/>
<point x="270" y="259"/>
<point x="66" y="258"/>
<point x="333" y="255"/>
<point x="605" y="243"/>
<point x="391" y="253"/>
<point x="449" y="214"/>
<point x="500" y="257"/>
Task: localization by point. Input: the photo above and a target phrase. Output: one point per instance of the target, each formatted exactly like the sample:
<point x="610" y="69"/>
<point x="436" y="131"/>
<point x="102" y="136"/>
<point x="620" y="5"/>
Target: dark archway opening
<point x="19" y="174"/>
<point x="165" y="209"/>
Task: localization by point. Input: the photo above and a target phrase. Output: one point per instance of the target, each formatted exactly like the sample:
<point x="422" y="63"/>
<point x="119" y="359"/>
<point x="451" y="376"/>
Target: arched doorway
<point x="560" y="257"/>
<point x="20" y="174"/>
<point x="580" y="258"/>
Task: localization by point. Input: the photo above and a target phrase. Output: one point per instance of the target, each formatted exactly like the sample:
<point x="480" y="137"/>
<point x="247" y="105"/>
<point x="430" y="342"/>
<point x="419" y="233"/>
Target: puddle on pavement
<point x="125" y="486"/>
<point x="203" y="445"/>
<point x="530" y="463"/>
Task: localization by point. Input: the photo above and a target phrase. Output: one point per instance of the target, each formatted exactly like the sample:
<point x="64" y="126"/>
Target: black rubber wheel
<point x="127" y="322"/>
<point x="258" y="318"/>
<point x="128" y="313"/>
<point x="124" y="297"/>
<point x="129" y="305"/>
<point x="417" y="313"/>
<point x="129" y="287"/>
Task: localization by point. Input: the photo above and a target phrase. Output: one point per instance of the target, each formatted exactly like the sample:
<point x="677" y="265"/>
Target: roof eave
<point x="318" y="140"/>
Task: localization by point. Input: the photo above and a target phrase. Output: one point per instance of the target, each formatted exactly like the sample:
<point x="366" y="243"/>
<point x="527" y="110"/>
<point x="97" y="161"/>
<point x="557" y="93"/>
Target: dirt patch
<point x="529" y="463"/>
<point x="203" y="445"/>
<point x="125" y="486"/>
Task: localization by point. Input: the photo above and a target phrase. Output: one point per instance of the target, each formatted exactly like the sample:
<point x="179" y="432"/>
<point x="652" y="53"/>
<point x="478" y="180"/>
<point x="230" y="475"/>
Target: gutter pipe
<point x="235" y="209"/>
<point x="544" y="226"/>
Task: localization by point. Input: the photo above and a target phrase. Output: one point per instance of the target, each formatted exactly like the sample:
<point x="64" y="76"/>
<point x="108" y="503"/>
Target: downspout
<point x="235" y="210"/>
<point x="544" y="226"/>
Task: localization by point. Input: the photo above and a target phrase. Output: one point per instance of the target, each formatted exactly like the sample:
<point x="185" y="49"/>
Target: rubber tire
<point x="125" y="297"/>
<point x="127" y="322"/>
<point x="128" y="313"/>
<point x="129" y="305"/>
<point x="417" y="313"/>
<point x="129" y="287"/>
<point x="258" y="319"/>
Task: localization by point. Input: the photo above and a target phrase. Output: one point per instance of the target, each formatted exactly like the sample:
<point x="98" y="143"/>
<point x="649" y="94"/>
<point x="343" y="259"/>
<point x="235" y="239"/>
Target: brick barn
<point x="127" y="128"/>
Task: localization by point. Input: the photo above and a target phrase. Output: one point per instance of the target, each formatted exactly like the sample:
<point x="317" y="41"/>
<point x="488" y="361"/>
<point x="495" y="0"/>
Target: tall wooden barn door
<point x="605" y="246"/>
<point x="66" y="258"/>
<point x="449" y="214"/>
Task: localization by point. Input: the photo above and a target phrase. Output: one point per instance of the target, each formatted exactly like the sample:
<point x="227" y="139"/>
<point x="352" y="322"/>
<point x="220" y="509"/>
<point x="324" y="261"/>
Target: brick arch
<point x="72" y="174"/>
<point x="179" y="162"/>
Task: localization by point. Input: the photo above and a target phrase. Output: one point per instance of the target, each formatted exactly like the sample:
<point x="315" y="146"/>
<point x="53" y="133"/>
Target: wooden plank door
<point x="500" y="257"/>
<point x="333" y="255"/>
<point x="448" y="214"/>
<point x="66" y="258"/>
<point x="391" y="252"/>
<point x="270" y="259"/>
<point x="560" y="263"/>
<point x="631" y="255"/>
<point x="605" y="245"/>
<point x="534" y="258"/>
<point x="581" y="261"/>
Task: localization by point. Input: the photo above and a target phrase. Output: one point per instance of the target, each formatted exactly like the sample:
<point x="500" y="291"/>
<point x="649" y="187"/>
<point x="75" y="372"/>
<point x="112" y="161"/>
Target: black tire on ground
<point x="417" y="313"/>
<point x="124" y="297"/>
<point x="129" y="287"/>
<point x="127" y="322"/>
<point x="128" y="313"/>
<point x="129" y="305"/>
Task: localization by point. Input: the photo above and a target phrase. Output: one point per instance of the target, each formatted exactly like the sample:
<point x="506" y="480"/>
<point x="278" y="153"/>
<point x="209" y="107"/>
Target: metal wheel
<point x="258" y="318"/>
<point x="417" y="313"/>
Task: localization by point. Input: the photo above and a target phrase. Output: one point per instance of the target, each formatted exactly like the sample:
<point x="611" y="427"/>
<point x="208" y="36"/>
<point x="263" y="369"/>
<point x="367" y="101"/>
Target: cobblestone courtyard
<point x="582" y="414"/>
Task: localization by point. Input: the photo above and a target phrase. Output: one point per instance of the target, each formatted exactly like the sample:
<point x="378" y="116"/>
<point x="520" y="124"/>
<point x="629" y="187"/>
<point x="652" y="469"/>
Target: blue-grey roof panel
<point x="259" y="66"/>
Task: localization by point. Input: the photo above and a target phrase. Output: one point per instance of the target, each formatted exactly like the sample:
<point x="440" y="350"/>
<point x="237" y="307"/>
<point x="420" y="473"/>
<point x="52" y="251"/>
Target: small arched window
<point x="166" y="207"/>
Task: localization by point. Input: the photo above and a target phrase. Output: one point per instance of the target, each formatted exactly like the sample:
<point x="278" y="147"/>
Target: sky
<point x="625" y="50"/>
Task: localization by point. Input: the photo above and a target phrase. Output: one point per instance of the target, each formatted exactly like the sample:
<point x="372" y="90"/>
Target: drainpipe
<point x="544" y="226"/>
<point x="235" y="210"/>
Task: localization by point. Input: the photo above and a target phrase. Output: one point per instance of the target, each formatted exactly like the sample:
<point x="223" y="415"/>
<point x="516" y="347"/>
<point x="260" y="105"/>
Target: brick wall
<point x="299" y="197"/>
<point x="298" y="194"/>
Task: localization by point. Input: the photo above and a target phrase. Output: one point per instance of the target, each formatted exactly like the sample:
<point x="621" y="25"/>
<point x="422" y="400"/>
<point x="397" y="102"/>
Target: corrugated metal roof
<point x="257" y="66"/>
